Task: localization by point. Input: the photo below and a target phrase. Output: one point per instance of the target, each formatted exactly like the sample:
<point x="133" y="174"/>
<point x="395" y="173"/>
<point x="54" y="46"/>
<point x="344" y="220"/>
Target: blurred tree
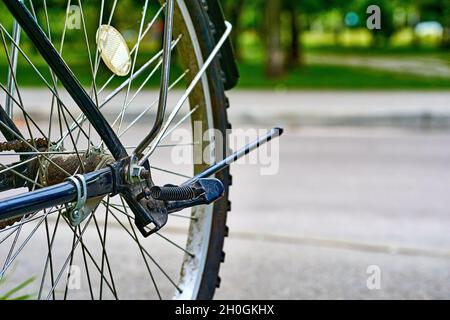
<point x="437" y="10"/>
<point x="303" y="8"/>
<point x="274" y="51"/>
<point x="294" y="58"/>
<point x="233" y="11"/>
<point x="276" y="58"/>
<point x="381" y="36"/>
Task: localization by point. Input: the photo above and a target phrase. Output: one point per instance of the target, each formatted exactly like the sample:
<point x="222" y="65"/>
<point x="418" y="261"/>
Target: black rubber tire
<point x="215" y="256"/>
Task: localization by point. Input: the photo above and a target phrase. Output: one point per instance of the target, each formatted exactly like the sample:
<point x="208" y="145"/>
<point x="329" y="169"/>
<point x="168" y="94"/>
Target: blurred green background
<point x="326" y="43"/>
<point x="301" y="44"/>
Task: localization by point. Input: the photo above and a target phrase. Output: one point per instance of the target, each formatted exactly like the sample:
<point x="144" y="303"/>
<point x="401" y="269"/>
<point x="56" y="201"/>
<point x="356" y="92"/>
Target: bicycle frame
<point x="111" y="180"/>
<point x="21" y="205"/>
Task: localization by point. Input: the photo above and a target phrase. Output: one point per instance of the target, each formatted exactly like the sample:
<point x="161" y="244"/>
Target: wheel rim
<point x="193" y="255"/>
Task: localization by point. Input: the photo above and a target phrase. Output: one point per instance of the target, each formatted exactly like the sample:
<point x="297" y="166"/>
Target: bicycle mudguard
<point x="227" y="60"/>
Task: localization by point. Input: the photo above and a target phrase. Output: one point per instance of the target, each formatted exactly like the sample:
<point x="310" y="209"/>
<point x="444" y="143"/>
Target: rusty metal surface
<point x="50" y="172"/>
<point x="23" y="146"/>
<point x="83" y="163"/>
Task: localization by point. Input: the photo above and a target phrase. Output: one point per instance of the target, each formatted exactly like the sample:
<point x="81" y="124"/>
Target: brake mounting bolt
<point x="145" y="174"/>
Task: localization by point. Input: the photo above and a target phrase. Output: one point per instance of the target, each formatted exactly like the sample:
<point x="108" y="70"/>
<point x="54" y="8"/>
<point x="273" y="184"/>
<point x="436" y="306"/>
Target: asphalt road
<point x="344" y="199"/>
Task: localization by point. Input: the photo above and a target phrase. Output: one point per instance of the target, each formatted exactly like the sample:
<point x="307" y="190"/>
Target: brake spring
<point x="174" y="193"/>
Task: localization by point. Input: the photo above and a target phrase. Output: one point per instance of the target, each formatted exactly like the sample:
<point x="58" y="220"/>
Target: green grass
<point x="383" y="51"/>
<point x="310" y="77"/>
<point x="317" y="77"/>
<point x="15" y="293"/>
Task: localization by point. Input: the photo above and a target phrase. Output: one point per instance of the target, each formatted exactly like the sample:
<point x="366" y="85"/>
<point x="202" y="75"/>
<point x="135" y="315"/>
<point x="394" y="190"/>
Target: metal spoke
<point x="93" y="72"/>
<point x="49" y="258"/>
<point x="100" y="20"/>
<point x="145" y="260"/>
<point x="11" y="83"/>
<point x="142" y="254"/>
<point x="136" y="74"/>
<point x="32" y="147"/>
<point x="72" y="252"/>
<point x="141" y="27"/>
<point x="176" y="245"/>
<point x="171" y="172"/>
<point x="16" y="238"/>
<point x="60" y="110"/>
<point x="17" y="225"/>
<point x="146" y="252"/>
<point x="89" y="254"/>
<point x="149" y="26"/>
<point x="11" y="249"/>
<point x="185" y="96"/>
<point x="27" y="117"/>
<point x="32" y="9"/>
<point x="5" y="268"/>
<point x="151" y="106"/>
<point x="157" y="233"/>
<point x="183" y="216"/>
<point x="104" y="253"/>
<point x="182" y="120"/>
<point x="83" y="250"/>
<point x="72" y="132"/>
<point x="18" y="165"/>
<point x="40" y="75"/>
<point x="74" y="143"/>
<point x="111" y="14"/>
<point x="21" y="105"/>
<point x="82" y="118"/>
<point x="33" y="183"/>
<point x="127" y="104"/>
<point x="58" y="278"/>
<point x="61" y="47"/>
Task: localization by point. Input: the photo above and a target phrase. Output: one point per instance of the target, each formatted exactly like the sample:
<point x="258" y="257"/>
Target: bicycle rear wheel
<point x="106" y="256"/>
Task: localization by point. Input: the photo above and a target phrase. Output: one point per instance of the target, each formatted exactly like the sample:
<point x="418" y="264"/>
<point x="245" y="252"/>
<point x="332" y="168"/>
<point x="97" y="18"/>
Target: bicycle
<point x="82" y="180"/>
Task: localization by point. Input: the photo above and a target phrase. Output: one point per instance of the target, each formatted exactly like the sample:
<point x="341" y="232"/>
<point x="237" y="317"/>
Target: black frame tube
<point x="99" y="183"/>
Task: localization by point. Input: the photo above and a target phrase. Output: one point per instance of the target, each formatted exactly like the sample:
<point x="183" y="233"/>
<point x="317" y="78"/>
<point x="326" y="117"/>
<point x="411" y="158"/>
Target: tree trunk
<point x="274" y="60"/>
<point x="235" y="19"/>
<point x="446" y="38"/>
<point x="295" y="54"/>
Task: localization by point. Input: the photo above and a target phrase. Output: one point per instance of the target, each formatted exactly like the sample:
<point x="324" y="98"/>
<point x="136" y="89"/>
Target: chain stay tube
<point x="67" y="78"/>
<point x="98" y="183"/>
